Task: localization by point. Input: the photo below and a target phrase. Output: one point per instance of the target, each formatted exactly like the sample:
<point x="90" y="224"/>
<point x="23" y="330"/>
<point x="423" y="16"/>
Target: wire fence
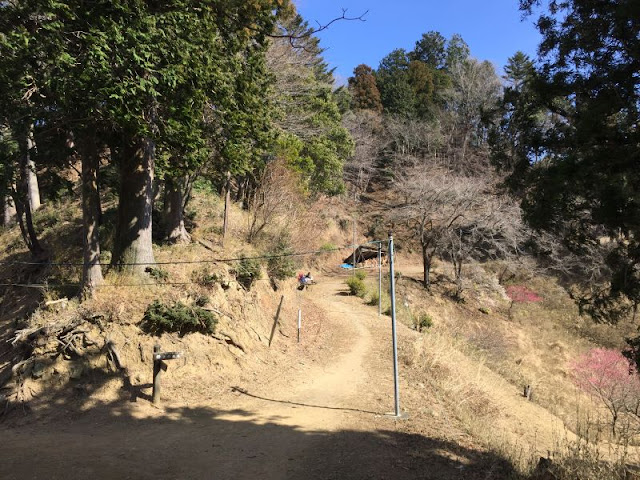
<point x="47" y="285"/>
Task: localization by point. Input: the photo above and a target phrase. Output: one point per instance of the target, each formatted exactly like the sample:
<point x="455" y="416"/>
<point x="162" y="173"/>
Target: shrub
<point x="361" y="275"/>
<point x="356" y="286"/>
<point x="488" y="337"/>
<point x="203" y="276"/>
<point x="201" y="300"/>
<point x="247" y="271"/>
<point x="178" y="317"/>
<point x="328" y="247"/>
<point x="374" y="299"/>
<point x="158" y="274"/>
<point x="280" y="267"/>
<point x="46" y="218"/>
<point x="423" y="321"/>
<point x="204" y="185"/>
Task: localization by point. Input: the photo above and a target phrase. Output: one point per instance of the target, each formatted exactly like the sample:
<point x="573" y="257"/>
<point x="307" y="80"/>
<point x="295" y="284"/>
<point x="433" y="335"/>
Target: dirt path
<point x="324" y="419"/>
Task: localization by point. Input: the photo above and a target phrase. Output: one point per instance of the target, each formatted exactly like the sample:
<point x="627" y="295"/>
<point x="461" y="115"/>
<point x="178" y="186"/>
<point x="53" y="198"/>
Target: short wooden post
<point x="299" y="323"/>
<point x="157" y="369"/>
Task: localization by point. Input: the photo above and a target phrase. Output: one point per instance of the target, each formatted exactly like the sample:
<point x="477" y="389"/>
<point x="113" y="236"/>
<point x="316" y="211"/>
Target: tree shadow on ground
<point x="87" y="438"/>
<point x="289" y="402"/>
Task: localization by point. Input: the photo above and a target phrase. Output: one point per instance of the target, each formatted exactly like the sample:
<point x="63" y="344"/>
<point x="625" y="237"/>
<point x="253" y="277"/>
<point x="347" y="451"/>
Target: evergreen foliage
<point x="582" y="162"/>
<point x="364" y="91"/>
<point x="515" y="140"/>
<point x="280" y="266"/>
<point x="356" y="286"/>
<point x="311" y="136"/>
<point x="414" y="84"/>
<point x="247" y="271"/>
<point x="178" y="318"/>
<point x="392" y="78"/>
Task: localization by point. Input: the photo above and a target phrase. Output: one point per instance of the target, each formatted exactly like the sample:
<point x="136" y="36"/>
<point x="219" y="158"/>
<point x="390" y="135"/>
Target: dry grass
<point x="478" y="364"/>
<point x="246" y="318"/>
<point x="473" y="363"/>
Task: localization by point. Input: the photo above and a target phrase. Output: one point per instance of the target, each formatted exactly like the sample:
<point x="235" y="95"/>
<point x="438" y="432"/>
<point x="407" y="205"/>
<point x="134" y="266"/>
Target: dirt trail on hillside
<point x="323" y="419"/>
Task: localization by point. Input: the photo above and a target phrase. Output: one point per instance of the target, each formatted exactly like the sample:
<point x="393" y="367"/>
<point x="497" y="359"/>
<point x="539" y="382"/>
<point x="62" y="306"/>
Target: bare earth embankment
<point x="323" y="414"/>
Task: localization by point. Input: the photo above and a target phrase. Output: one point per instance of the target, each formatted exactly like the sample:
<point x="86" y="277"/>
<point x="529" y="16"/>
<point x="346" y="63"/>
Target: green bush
<point x="201" y="300"/>
<point x="361" y="275"/>
<point x="205" y="277"/>
<point x="206" y="186"/>
<point x="178" y="317"/>
<point x="280" y="267"/>
<point x="328" y="247"/>
<point x="46" y="218"/>
<point x="157" y="274"/>
<point x="247" y="271"/>
<point x="423" y="321"/>
<point x="356" y="286"/>
<point x="374" y="298"/>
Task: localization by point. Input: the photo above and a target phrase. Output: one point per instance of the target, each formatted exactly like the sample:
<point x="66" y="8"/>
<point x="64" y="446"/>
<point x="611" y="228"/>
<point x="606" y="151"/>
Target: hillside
<point x="249" y="401"/>
<point x="183" y="184"/>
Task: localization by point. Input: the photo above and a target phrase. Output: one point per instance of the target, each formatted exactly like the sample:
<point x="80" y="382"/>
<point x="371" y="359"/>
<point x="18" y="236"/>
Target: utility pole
<point x="354" y="244"/>
<point x="396" y="388"/>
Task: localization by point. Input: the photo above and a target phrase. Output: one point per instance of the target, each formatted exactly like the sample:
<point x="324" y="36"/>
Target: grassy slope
<point x="526" y="344"/>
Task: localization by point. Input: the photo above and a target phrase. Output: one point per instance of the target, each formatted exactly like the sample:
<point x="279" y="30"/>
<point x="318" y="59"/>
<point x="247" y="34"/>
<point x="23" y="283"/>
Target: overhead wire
<point x="184" y="262"/>
<point x="176" y="262"/>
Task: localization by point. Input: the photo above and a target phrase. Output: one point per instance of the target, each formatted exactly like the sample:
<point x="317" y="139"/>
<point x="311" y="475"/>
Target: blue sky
<point x="492" y="28"/>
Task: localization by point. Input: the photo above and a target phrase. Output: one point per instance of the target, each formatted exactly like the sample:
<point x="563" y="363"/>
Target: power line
<point x="77" y="285"/>
<point x="177" y="262"/>
<point x="185" y="262"/>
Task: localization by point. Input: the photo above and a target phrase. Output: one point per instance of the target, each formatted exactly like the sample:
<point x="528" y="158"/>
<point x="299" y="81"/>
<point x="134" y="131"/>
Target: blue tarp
<point x="346" y="265"/>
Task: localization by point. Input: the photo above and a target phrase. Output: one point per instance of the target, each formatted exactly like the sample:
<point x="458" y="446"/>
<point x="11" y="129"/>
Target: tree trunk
<point x="174" y="210"/>
<point x="133" y="250"/>
<point x="458" y="274"/>
<point x="426" y="267"/>
<point x="23" y="208"/>
<point x="91" y="270"/>
<point x="8" y="211"/>
<point x="464" y="143"/>
<point x="32" y="179"/>
<point x="227" y="205"/>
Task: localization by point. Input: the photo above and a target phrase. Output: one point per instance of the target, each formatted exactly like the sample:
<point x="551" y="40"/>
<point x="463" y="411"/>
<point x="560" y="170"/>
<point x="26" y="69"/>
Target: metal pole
<point x="299" y="323"/>
<point x="379" y="278"/>
<point x="396" y="389"/>
<point x="354" y="245"/>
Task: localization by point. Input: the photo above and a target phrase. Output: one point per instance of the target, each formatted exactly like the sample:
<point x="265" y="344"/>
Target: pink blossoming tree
<point x="607" y="375"/>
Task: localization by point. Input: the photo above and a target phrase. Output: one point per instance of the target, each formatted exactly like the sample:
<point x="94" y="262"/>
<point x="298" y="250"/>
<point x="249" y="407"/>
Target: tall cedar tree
<point x="515" y="140"/>
<point x="364" y="91"/>
<point x="128" y="72"/>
